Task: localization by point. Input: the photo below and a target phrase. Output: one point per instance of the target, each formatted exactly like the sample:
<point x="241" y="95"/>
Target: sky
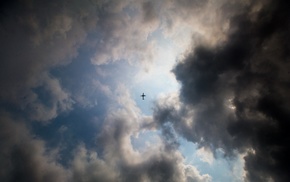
<point x="215" y="74"/>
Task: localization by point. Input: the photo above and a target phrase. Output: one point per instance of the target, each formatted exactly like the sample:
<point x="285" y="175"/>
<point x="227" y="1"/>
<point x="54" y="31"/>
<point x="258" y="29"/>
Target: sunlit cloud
<point x="205" y="155"/>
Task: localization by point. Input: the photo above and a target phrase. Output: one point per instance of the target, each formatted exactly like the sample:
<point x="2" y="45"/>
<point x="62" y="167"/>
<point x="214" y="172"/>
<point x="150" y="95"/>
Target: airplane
<point x="143" y="95"/>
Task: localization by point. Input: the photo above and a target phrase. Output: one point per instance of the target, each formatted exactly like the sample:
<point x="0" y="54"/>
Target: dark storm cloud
<point x="238" y="92"/>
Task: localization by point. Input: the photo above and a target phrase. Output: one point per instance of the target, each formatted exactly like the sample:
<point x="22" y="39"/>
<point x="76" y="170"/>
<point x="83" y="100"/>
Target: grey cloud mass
<point x="238" y="91"/>
<point x="155" y="164"/>
<point x="25" y="158"/>
<point x="67" y="114"/>
<point x="37" y="36"/>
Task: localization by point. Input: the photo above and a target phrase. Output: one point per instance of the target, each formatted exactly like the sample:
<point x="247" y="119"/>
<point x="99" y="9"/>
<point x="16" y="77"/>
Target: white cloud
<point x="205" y="155"/>
<point x="192" y="175"/>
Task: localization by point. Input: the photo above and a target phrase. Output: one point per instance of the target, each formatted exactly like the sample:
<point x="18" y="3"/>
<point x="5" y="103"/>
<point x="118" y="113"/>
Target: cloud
<point x="47" y="105"/>
<point x="193" y="175"/>
<point x="25" y="158"/>
<point x="155" y="163"/>
<point x="38" y="39"/>
<point x="86" y="166"/>
<point x="205" y="155"/>
<point x="123" y="32"/>
<point x="234" y="94"/>
<point x="149" y="11"/>
<point x="237" y="92"/>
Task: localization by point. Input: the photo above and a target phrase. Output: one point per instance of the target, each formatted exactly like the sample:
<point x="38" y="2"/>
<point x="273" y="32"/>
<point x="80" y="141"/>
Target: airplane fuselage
<point x="143" y="95"/>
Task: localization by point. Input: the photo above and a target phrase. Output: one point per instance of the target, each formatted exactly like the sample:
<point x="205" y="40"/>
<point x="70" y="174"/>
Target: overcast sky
<point x="215" y="74"/>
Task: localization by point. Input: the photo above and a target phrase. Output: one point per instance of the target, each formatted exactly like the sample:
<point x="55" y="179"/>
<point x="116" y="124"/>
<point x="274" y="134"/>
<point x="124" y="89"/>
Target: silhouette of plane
<point x="143" y="95"/>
